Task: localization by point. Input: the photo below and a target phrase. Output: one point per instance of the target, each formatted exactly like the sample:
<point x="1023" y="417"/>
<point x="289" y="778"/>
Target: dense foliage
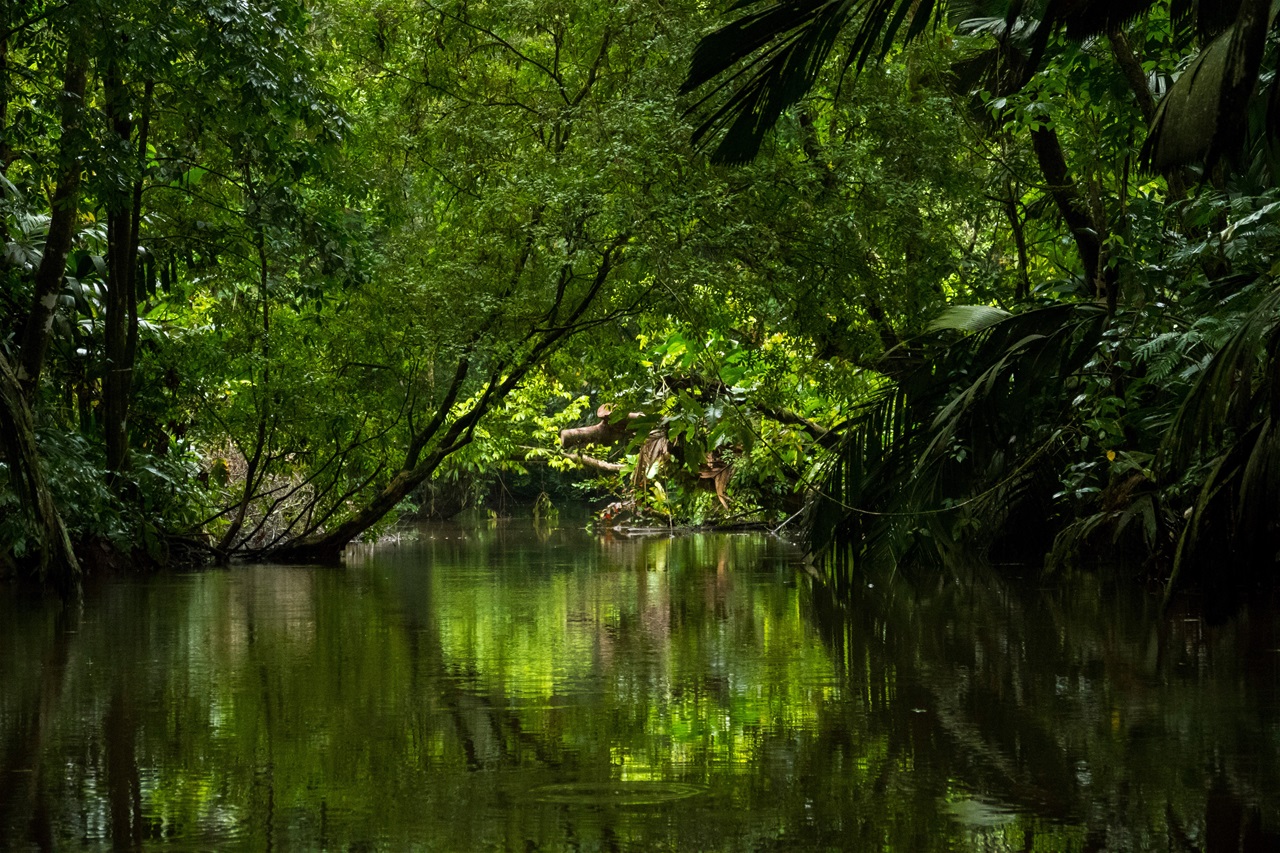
<point x="278" y="271"/>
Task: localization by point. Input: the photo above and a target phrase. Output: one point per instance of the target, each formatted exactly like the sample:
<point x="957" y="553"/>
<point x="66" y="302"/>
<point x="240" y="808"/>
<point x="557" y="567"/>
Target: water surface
<point x="507" y="687"/>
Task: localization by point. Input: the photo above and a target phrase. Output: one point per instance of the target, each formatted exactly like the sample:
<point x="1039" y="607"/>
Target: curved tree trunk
<point x="1075" y="213"/>
<point x="327" y="546"/>
<point x="56" y="562"/>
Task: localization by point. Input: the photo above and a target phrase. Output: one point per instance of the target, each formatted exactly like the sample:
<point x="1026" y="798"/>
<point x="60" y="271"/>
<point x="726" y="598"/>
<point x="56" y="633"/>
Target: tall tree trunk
<point x="1086" y="231"/>
<point x="56" y="561"/>
<point x="62" y="221"/>
<point x="4" y="110"/>
<point x="1131" y="67"/>
<point x="1022" y="291"/>
<point x="135" y="226"/>
<point x="124" y="217"/>
<point x="253" y="472"/>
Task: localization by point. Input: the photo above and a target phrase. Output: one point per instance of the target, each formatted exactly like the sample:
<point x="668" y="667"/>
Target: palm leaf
<point x="1091" y="18"/>
<point x="767" y="58"/>
<point x="1225" y="396"/>
<point x="1230" y="423"/>
<point x="784" y="48"/>
<point x="969" y="318"/>
<point x="897" y="467"/>
<point x="1204" y="114"/>
<point x="870" y="455"/>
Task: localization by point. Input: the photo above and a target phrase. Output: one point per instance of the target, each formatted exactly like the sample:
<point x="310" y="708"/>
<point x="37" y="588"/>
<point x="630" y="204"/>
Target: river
<point x="510" y="686"/>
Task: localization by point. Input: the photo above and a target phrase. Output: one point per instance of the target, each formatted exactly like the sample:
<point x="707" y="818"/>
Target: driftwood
<point x="592" y="462"/>
<point x="581" y="458"/>
<point x="607" y="431"/>
<point x="714" y="474"/>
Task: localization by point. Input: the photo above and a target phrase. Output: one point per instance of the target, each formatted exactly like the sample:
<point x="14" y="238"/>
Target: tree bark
<point x="56" y="562"/>
<point x="62" y="222"/>
<point x="602" y="465"/>
<point x="605" y="431"/>
<point x="124" y="218"/>
<point x="1086" y="232"/>
<point x="1131" y="67"/>
<point x="250" y="488"/>
<point x="4" y="109"/>
<point x="1023" y="289"/>
<point x="822" y="435"/>
<point x="327" y="547"/>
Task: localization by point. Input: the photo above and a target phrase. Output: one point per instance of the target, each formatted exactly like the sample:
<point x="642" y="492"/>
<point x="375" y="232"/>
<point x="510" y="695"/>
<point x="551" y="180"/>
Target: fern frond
<point x="1224" y="393"/>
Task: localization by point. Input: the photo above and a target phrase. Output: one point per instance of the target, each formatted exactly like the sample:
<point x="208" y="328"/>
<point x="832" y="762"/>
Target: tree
<point x="115" y="138"/>
<point x="923" y="445"/>
<point x="517" y="212"/>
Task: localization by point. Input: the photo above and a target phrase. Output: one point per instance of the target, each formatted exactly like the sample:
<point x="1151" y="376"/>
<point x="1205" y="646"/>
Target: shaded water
<point x="504" y="688"/>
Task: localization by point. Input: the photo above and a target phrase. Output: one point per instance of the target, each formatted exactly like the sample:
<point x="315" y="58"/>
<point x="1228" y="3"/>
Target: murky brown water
<point x="505" y="688"/>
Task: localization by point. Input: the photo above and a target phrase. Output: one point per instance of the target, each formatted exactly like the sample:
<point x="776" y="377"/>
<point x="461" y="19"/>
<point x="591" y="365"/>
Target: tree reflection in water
<point x="494" y="687"/>
<point x="1082" y="710"/>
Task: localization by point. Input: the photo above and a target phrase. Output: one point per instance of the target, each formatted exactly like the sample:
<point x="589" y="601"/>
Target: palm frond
<point x="1209" y="17"/>
<point x="1233" y="521"/>
<point x="969" y="318"/>
<point x="1230" y="422"/>
<point x="849" y="502"/>
<point x="1225" y="396"/>
<point x="970" y="425"/>
<point x="768" y="57"/>
<point x="1204" y="114"/>
<point x="1091" y="18"/>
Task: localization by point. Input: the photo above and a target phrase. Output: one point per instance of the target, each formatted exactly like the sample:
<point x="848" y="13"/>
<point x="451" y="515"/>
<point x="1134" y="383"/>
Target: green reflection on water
<point x="495" y="687"/>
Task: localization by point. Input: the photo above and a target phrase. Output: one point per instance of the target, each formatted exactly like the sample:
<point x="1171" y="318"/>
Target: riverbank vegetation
<point x="903" y="278"/>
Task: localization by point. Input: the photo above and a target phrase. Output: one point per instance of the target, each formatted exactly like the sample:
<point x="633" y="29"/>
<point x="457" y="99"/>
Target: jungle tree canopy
<point x="278" y="272"/>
